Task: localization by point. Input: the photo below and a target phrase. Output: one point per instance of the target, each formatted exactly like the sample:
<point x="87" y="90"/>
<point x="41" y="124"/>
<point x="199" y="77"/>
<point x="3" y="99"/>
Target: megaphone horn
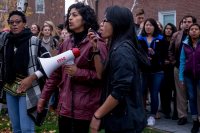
<point x="50" y="64"/>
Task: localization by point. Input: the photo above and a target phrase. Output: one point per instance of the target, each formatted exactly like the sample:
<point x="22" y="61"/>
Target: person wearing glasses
<point x="79" y="84"/>
<point x="21" y="72"/>
<point x="122" y="110"/>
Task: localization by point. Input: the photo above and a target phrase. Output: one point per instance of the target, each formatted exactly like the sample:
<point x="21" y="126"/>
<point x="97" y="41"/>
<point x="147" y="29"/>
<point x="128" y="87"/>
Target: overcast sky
<point x="67" y="4"/>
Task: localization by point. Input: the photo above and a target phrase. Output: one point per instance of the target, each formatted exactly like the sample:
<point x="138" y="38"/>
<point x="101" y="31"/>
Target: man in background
<point x="139" y="19"/>
<point x="174" y="57"/>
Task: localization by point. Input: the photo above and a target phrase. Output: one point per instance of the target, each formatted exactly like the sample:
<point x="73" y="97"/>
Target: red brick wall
<point x="103" y="4"/>
<point x="152" y="7"/>
<point x="54" y="11"/>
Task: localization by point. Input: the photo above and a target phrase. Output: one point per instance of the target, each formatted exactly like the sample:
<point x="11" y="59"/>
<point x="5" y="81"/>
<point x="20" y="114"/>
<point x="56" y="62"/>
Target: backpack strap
<point x="55" y="43"/>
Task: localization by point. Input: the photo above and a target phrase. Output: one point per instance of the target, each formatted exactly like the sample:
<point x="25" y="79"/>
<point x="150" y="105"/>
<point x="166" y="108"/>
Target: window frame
<point x="36" y="9"/>
<point x="161" y="15"/>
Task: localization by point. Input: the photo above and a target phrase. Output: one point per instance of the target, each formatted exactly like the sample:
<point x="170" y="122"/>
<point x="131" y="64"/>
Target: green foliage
<point x="50" y="125"/>
<point x="4" y="121"/>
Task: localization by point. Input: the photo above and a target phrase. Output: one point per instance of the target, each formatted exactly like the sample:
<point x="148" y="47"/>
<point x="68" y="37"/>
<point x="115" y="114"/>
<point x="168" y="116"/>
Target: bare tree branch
<point x="84" y="1"/>
<point x="91" y="3"/>
<point x="134" y="4"/>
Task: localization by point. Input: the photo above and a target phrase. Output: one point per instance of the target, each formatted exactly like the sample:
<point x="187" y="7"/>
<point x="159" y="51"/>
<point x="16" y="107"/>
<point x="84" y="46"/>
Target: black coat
<point x="123" y="83"/>
<point x="160" y="49"/>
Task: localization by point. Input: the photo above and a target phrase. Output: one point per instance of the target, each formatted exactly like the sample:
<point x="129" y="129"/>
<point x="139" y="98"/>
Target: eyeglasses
<point x="105" y="20"/>
<point x="11" y="22"/>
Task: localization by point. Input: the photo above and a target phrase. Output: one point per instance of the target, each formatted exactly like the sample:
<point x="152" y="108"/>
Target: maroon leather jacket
<point x="82" y="90"/>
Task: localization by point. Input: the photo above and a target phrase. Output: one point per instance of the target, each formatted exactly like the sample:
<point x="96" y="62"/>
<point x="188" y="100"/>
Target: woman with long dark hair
<point x="122" y="110"/>
<point x="79" y="84"/>
<point x="168" y="84"/>
<point x="153" y="44"/>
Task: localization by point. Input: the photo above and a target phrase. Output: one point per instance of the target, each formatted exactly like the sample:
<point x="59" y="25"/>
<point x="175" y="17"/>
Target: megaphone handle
<point x="70" y="62"/>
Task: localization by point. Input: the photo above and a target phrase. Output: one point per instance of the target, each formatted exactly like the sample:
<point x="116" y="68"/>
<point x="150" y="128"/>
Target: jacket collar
<point x="186" y="41"/>
<point x="158" y="37"/>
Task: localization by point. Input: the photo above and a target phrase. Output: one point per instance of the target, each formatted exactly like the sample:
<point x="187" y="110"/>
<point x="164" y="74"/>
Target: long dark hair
<point x="155" y="25"/>
<point x="122" y="22"/>
<point x="173" y="29"/>
<point x="88" y="15"/>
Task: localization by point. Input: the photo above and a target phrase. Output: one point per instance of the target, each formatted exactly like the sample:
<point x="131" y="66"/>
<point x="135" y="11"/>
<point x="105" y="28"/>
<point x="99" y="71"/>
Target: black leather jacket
<point x="124" y="84"/>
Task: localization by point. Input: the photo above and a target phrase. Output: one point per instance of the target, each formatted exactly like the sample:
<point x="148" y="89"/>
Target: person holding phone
<point x="122" y="108"/>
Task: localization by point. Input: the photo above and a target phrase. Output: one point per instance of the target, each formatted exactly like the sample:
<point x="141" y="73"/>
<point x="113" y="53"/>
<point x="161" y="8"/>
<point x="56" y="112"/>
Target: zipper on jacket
<point x="194" y="70"/>
<point x="193" y="61"/>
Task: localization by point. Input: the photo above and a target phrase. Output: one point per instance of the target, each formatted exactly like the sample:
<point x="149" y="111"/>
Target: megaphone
<point x="51" y="64"/>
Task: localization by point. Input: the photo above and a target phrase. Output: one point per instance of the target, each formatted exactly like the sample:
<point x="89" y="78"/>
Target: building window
<point x="39" y="6"/>
<point x="167" y="17"/>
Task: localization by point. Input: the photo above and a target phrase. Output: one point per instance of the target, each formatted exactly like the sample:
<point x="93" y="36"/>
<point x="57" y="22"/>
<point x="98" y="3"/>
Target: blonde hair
<point x="51" y="24"/>
<point x="41" y="35"/>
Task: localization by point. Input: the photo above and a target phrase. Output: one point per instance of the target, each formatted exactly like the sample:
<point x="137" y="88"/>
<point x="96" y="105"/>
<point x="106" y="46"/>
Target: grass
<point x="50" y="125"/>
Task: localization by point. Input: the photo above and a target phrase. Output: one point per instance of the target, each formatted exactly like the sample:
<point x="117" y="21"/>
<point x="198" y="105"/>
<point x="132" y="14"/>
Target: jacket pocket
<point x="81" y="100"/>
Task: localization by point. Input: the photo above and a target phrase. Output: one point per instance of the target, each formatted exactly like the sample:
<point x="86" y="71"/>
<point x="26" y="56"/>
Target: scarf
<point x="17" y="55"/>
<point x="79" y="37"/>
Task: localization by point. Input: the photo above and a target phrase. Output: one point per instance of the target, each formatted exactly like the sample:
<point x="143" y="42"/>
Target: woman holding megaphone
<point x="78" y="82"/>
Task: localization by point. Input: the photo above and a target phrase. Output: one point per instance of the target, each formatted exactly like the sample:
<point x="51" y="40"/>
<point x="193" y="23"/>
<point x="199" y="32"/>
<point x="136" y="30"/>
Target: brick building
<point x="37" y="12"/>
<point x="163" y="10"/>
<point x="53" y="10"/>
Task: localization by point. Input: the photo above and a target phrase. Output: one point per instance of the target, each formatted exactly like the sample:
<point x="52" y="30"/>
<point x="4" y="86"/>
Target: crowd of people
<point x="123" y="66"/>
<point x="173" y="54"/>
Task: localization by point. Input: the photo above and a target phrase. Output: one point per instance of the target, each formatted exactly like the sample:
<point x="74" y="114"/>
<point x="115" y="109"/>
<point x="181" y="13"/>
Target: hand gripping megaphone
<point x="51" y="64"/>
